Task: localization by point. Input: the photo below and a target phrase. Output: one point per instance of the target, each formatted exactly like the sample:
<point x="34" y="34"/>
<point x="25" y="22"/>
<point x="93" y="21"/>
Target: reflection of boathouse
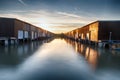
<point x="97" y="32"/>
<point x="97" y="58"/>
<point x="90" y="54"/>
<point x="12" y="30"/>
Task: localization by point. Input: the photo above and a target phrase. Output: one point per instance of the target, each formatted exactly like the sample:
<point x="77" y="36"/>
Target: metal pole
<point x="110" y="36"/>
<point x="110" y="41"/>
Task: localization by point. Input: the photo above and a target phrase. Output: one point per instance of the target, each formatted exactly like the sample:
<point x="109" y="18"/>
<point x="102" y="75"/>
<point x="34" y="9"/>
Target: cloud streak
<point x="54" y="21"/>
<point x="69" y="15"/>
<point x="22" y="2"/>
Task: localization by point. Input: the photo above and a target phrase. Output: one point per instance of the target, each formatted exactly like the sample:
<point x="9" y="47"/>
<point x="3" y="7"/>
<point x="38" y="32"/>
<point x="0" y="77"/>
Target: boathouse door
<point x="20" y="34"/>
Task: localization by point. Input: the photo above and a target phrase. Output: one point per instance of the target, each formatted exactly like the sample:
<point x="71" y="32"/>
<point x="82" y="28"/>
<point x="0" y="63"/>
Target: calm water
<point x="58" y="59"/>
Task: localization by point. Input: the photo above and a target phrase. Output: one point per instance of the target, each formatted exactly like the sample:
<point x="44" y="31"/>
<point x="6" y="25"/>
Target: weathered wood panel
<point x="106" y="27"/>
<point x="6" y="27"/>
<point x="93" y="30"/>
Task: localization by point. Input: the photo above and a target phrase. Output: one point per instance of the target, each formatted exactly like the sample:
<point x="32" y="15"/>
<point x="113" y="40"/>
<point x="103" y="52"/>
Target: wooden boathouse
<point x="13" y="30"/>
<point x="101" y="33"/>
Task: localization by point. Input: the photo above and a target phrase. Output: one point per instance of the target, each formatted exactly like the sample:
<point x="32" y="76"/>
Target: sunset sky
<point x="60" y="15"/>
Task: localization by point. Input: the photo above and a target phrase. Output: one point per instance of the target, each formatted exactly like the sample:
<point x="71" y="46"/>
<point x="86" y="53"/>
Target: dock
<point x="14" y="31"/>
<point x="99" y="33"/>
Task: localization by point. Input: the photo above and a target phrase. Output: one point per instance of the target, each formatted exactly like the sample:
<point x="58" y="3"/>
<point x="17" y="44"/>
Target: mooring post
<point x="6" y="42"/>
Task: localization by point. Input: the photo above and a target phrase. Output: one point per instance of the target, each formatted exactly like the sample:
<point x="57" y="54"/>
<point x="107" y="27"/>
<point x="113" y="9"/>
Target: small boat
<point x="115" y="46"/>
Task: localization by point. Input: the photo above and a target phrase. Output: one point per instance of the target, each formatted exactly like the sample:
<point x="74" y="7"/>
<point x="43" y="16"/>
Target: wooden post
<point x="6" y="42"/>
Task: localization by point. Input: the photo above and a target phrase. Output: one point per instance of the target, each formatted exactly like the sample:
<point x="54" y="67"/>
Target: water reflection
<point x="104" y="62"/>
<point x="55" y="61"/>
<point x="98" y="58"/>
<point x="59" y="59"/>
<point x="52" y="61"/>
<point x="15" y="54"/>
<point x="88" y="52"/>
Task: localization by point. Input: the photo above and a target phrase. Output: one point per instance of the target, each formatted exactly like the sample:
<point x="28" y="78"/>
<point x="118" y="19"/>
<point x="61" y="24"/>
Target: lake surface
<point x="58" y="59"/>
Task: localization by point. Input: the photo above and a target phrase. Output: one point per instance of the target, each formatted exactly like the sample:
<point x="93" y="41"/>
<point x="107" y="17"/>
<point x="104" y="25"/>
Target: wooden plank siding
<point x="106" y="27"/>
<point x="6" y="27"/>
<point x="93" y="29"/>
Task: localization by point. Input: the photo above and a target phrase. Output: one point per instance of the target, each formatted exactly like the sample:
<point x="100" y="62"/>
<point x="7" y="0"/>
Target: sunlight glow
<point x="44" y="23"/>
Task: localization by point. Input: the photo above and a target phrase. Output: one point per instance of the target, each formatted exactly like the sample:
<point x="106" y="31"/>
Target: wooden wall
<point x="6" y="27"/>
<point x="106" y="27"/>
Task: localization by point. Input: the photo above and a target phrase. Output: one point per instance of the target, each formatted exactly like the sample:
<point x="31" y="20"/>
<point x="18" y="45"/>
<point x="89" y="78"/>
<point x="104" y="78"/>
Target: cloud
<point x="22" y="2"/>
<point x="54" y="21"/>
<point x="69" y="15"/>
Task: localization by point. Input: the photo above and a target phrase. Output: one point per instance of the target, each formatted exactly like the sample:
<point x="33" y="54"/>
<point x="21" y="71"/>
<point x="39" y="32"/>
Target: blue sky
<point x="60" y="15"/>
